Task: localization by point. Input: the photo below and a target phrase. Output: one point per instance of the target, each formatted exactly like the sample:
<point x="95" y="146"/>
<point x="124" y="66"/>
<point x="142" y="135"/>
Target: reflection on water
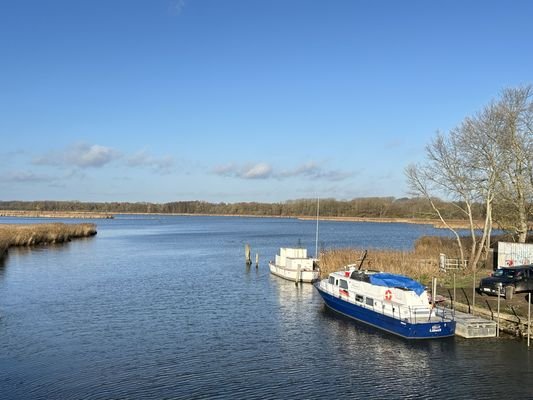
<point x="166" y="308"/>
<point x="3" y="262"/>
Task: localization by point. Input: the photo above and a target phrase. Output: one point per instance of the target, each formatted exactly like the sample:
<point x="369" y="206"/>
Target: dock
<point x="472" y="326"/>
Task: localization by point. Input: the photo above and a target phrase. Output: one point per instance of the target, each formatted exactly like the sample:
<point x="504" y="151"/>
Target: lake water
<point x="164" y="307"/>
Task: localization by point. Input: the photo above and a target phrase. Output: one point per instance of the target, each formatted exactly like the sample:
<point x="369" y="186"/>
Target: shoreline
<point x="456" y="224"/>
<point x="13" y="235"/>
<point x="56" y="214"/>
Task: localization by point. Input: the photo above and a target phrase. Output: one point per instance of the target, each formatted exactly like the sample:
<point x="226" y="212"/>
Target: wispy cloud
<point x="162" y="165"/>
<point x="7" y="158"/>
<point x="257" y="171"/>
<point x="310" y="170"/>
<point x="313" y="170"/>
<point x="249" y="171"/>
<point x="176" y="7"/>
<point x="80" y="155"/>
<point x="21" y="176"/>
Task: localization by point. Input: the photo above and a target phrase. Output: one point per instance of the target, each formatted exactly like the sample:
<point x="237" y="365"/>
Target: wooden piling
<point x="528" y="319"/>
<point x="247" y="252"/>
<point x="498" y="322"/>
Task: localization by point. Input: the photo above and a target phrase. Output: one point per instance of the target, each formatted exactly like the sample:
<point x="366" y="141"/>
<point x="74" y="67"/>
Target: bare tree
<point x="456" y="170"/>
<point x="487" y="161"/>
<point x="515" y="168"/>
<point x="421" y="183"/>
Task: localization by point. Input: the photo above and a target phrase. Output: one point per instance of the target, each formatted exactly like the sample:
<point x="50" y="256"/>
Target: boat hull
<point x="293" y="275"/>
<point x="418" y="330"/>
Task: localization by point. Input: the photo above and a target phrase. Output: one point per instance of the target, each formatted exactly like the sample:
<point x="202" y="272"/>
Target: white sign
<point x="513" y="254"/>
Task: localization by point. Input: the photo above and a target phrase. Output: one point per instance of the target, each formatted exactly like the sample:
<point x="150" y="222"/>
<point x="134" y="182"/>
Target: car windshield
<point x="505" y="273"/>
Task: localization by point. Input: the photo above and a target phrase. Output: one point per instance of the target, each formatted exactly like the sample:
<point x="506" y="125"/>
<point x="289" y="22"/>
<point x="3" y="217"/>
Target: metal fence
<point x="446" y="263"/>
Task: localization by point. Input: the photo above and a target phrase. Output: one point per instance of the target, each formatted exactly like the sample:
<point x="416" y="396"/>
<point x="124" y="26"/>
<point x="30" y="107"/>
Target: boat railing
<point x="411" y="314"/>
<point x="444" y="312"/>
<point x="417" y="314"/>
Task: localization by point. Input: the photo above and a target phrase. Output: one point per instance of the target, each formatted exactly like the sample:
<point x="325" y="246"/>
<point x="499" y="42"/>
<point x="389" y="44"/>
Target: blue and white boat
<point x="391" y="302"/>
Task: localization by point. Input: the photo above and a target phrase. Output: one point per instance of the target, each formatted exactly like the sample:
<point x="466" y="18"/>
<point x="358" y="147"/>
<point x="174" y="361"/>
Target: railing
<point x="398" y="311"/>
<point x="446" y="263"/>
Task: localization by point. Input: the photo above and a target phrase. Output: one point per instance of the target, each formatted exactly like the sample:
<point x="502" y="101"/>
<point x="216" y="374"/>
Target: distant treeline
<point x="369" y="207"/>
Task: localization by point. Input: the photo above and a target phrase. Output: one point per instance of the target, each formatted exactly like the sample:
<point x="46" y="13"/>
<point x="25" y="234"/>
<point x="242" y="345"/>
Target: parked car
<point x="508" y="281"/>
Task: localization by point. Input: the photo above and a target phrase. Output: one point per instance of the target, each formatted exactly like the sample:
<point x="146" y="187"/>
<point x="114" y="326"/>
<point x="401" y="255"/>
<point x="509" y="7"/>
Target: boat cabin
<point x="389" y="294"/>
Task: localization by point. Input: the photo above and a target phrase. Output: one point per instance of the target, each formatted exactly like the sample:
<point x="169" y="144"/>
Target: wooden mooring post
<point x="498" y="322"/>
<point x="256" y="260"/>
<point x="247" y="254"/>
<point x="528" y="318"/>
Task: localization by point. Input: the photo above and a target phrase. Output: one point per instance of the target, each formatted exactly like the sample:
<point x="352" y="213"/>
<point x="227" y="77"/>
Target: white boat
<point x="294" y="265"/>
<point x="391" y="302"/>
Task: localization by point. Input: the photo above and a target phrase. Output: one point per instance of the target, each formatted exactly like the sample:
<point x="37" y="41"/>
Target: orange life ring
<point x="388" y="295"/>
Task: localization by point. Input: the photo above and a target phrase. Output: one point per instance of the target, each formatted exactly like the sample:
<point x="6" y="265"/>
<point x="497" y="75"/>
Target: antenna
<point x="363" y="256"/>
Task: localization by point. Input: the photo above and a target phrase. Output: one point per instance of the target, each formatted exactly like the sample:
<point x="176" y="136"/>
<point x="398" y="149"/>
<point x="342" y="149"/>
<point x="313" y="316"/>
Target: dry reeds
<point x="34" y="234"/>
<point x="420" y="264"/>
<point x="55" y="214"/>
<point x="398" y="262"/>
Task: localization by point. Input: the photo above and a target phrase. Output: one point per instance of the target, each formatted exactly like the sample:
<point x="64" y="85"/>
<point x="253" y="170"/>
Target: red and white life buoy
<point x="388" y="295"/>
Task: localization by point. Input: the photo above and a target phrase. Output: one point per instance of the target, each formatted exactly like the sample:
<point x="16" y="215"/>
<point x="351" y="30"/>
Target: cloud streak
<point x="80" y="155"/>
<point x="310" y="170"/>
<point x="249" y="171"/>
<point x="21" y="176"/>
<point x="176" y="7"/>
<point x="162" y="165"/>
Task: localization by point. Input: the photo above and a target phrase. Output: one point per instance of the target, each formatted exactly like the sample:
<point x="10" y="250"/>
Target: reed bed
<point x="37" y="234"/>
<point x="55" y="214"/>
<point x="421" y="263"/>
<point x="398" y="262"/>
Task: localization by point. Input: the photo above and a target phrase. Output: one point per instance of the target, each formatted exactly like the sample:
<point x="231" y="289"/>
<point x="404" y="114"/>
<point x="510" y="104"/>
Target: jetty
<point x="472" y="326"/>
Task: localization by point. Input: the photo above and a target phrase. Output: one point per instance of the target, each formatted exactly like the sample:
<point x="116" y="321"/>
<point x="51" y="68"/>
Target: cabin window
<point x="331" y="280"/>
<point x="370" y="301"/>
<point x="359" y="298"/>
<point x="336" y="282"/>
<point x="344" y="284"/>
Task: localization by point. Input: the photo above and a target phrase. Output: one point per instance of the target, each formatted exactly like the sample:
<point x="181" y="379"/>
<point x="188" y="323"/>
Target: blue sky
<point x="168" y="100"/>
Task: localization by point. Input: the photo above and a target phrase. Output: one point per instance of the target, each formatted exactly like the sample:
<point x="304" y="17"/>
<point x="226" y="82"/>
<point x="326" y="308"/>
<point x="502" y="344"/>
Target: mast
<point x="316" y="239"/>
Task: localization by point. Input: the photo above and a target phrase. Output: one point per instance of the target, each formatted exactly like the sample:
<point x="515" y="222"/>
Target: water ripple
<point x="147" y="310"/>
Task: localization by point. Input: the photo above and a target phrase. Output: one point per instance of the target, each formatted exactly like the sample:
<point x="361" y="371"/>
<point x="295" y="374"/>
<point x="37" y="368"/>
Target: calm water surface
<point x="164" y="307"/>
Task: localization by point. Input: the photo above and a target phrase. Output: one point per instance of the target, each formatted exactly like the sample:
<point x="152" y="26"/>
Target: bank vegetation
<point x="40" y="234"/>
<point x="421" y="263"/>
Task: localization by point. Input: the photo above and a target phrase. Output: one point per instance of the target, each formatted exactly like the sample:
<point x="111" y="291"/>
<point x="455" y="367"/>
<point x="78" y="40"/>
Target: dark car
<point x="508" y="281"/>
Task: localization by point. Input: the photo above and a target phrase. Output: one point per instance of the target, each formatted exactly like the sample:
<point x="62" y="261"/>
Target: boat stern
<point x="432" y="330"/>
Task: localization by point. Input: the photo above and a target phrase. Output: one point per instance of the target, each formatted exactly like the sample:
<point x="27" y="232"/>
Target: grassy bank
<point x="36" y="234"/>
